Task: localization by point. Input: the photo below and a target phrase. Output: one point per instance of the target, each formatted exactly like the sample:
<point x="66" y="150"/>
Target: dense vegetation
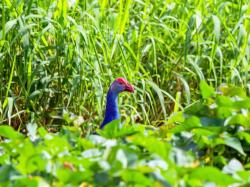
<point x="187" y="124"/>
<point x="211" y="135"/>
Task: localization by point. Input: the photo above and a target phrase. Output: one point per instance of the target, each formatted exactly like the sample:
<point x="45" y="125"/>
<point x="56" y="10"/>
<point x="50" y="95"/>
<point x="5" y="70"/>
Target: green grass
<point x="59" y="56"/>
<point x="187" y="124"/>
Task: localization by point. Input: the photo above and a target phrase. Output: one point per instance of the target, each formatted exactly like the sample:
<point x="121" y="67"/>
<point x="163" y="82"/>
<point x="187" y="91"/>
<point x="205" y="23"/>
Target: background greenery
<point x="63" y="55"/>
<point x="58" y="58"/>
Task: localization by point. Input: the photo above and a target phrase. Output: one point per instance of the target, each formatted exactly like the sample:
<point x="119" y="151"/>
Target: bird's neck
<point x="112" y="111"/>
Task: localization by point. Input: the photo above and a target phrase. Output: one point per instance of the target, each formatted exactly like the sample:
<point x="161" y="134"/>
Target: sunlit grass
<point x="60" y="56"/>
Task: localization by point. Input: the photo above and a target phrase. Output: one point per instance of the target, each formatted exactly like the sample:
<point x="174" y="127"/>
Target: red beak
<point x="129" y="88"/>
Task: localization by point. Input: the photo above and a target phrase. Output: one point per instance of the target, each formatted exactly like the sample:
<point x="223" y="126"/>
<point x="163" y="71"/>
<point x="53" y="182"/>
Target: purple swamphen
<point x="112" y="111"/>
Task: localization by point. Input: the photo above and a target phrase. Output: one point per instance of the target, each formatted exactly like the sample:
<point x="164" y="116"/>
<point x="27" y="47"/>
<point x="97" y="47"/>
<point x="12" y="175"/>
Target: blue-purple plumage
<point x="112" y="111"/>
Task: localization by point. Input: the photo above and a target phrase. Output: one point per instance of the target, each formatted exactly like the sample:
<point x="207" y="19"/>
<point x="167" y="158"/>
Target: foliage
<point x="62" y="55"/>
<point x="57" y="59"/>
<point x="208" y="146"/>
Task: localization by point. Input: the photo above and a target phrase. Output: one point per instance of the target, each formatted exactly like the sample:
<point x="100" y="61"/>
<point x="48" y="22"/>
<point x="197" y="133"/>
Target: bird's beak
<point x="129" y="88"/>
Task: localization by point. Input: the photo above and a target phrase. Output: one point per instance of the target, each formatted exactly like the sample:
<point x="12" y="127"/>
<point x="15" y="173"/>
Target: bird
<point x="112" y="112"/>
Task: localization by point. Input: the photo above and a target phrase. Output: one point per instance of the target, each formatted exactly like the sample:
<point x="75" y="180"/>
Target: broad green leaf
<point x="232" y="91"/>
<point x="243" y="104"/>
<point x="9" y="132"/>
<point x="206" y="90"/>
<point x="6" y="172"/>
<point x="101" y="178"/>
<point x="232" y="142"/>
<point x="203" y="132"/>
<point x="224" y="112"/>
<point x="205" y="121"/>
<point x="111" y="129"/>
<point x="239" y="119"/>
<point x="198" y="109"/>
<point x="29" y="158"/>
<point x="245" y="176"/>
<point x="176" y="117"/>
<point x="136" y="177"/>
<point x="244" y="136"/>
<point x="114" y="130"/>
<point x="42" y="132"/>
<point x="56" y="144"/>
<point x="212" y="174"/>
<point x="31" y="181"/>
<point x="189" y="124"/>
<point x="224" y="101"/>
<point x="153" y="145"/>
<point x="68" y="176"/>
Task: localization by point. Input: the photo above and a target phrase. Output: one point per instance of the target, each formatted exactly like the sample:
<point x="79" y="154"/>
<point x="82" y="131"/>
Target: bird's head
<point x="120" y="85"/>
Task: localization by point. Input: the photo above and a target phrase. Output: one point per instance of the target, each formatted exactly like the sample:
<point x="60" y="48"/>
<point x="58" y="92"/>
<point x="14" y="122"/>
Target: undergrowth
<point x="208" y="146"/>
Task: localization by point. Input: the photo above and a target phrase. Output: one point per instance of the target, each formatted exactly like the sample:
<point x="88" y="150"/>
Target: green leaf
<point x="153" y="145"/>
<point x="224" y="112"/>
<point x="232" y="91"/>
<point x="239" y="119"/>
<point x="203" y="132"/>
<point x="212" y="174"/>
<point x="6" y="172"/>
<point x="245" y="176"/>
<point x="9" y="132"/>
<point x="176" y="117"/>
<point x="136" y="177"/>
<point x="206" y="90"/>
<point x="114" y="130"/>
<point x="211" y="122"/>
<point x="29" y="159"/>
<point x="101" y="178"/>
<point x="110" y="129"/>
<point x="67" y="176"/>
<point x="224" y="101"/>
<point x="31" y="181"/>
<point x="42" y="132"/>
<point x="227" y="102"/>
<point x="233" y="142"/>
<point x="245" y="103"/>
<point x="198" y="109"/>
<point x="245" y="136"/>
<point x="189" y="124"/>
